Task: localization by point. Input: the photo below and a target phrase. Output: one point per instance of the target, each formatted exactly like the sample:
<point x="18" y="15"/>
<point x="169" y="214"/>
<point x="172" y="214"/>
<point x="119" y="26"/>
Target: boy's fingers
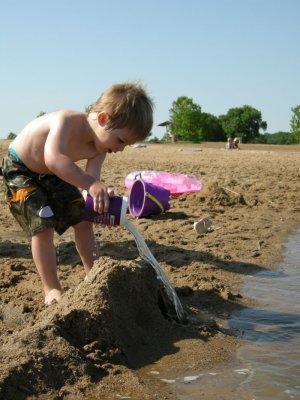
<point x="106" y="204"/>
<point x="110" y="191"/>
<point x="98" y="204"/>
<point x="101" y="203"/>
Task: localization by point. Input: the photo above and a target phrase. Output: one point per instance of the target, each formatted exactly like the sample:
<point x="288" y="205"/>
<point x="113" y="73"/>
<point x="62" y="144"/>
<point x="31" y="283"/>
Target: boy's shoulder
<point x="66" y="113"/>
<point x="65" y="116"/>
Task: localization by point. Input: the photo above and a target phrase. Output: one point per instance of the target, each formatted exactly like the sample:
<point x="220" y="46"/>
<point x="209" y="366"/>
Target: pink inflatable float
<point x="176" y="183"/>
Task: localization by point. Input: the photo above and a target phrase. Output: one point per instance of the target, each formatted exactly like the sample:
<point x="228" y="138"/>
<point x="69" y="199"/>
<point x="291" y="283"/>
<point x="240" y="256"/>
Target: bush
<point x="11" y="136"/>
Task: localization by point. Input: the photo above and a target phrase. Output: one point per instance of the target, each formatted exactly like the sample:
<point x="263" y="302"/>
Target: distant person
<point x="42" y="178"/>
<point x="229" y="144"/>
<point x="236" y="142"/>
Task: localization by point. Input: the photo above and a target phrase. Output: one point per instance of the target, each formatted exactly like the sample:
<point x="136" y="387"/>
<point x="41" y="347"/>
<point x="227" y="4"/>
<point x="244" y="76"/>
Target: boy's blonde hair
<point x="127" y="105"/>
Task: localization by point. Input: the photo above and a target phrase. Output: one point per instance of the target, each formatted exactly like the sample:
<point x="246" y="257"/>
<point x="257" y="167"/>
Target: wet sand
<point x="96" y="342"/>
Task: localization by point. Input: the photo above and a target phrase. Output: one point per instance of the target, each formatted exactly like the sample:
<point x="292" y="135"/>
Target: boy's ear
<point x="102" y="118"/>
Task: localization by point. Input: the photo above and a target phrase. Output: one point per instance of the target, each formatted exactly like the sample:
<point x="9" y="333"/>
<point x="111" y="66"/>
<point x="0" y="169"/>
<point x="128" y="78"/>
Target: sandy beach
<point x="102" y="340"/>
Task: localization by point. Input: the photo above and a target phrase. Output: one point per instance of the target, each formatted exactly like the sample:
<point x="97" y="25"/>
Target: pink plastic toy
<point x="176" y="183"/>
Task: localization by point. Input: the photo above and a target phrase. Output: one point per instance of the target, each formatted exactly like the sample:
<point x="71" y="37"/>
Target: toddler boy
<point x="42" y="178"/>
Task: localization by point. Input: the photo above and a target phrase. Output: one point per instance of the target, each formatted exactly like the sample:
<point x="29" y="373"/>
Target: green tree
<point x="153" y="140"/>
<point x="11" y="136"/>
<point x="185" y="118"/>
<point x="40" y="114"/>
<point x="295" y="123"/>
<point x="211" y="129"/>
<point x="88" y="108"/>
<point x="244" y="122"/>
<point x="276" y="138"/>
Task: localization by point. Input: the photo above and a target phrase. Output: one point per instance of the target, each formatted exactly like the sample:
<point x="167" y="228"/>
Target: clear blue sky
<point x="221" y="53"/>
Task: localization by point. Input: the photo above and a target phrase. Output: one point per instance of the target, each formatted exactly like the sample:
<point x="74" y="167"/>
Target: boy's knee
<point x="45" y="233"/>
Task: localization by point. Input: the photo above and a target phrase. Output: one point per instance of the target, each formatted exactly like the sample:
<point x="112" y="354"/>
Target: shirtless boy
<point x="43" y="180"/>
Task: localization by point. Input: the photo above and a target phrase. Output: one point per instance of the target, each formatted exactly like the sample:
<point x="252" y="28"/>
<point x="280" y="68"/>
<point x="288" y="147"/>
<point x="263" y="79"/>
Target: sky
<point x="62" y="54"/>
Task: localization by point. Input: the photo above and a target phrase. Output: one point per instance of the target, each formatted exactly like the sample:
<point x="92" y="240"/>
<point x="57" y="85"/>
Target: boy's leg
<point x="85" y="244"/>
<point x="44" y="257"/>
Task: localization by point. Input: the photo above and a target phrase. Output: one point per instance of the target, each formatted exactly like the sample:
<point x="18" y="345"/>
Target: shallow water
<point x="267" y="365"/>
<point x="272" y="330"/>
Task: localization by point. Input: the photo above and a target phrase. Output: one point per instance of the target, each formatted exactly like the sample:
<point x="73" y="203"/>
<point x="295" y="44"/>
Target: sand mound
<point x="214" y="196"/>
<point x="114" y="317"/>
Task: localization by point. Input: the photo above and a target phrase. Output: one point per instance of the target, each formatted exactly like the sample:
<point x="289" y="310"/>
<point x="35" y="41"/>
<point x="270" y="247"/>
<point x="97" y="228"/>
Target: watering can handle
<point x="149" y="195"/>
<point x="138" y="176"/>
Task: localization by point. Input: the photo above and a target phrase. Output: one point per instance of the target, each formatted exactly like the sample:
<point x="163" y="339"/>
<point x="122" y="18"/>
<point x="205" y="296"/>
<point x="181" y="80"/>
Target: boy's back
<point x="66" y="131"/>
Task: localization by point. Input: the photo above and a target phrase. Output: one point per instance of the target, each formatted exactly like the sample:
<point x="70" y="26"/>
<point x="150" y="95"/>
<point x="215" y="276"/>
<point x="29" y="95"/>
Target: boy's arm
<point x="93" y="168"/>
<point x="66" y="169"/>
<point x="94" y="165"/>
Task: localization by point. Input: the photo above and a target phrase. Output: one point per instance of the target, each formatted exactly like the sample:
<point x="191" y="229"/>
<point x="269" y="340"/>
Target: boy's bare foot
<point x="53" y="296"/>
<point x="87" y="271"/>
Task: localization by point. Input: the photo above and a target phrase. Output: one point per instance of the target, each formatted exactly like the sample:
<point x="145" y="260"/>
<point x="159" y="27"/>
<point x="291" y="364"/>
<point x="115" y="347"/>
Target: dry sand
<point x="101" y="338"/>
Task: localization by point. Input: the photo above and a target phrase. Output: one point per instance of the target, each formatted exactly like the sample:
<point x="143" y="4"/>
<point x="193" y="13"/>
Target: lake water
<point x="272" y="329"/>
<point x="267" y="365"/>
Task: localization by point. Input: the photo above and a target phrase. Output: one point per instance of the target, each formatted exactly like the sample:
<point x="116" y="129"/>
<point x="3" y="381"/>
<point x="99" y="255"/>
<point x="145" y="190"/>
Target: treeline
<point x="277" y="138"/>
<point x="188" y="123"/>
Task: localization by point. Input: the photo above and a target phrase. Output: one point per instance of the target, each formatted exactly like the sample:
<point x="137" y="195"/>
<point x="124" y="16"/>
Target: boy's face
<point x="114" y="140"/>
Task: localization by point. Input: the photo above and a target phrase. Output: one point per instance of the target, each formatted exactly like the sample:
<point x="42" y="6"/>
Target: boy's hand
<point x="98" y="191"/>
<point x="110" y="191"/>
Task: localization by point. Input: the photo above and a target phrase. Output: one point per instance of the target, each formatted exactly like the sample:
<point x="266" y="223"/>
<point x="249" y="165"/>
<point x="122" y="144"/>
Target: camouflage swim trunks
<point x="38" y="201"/>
